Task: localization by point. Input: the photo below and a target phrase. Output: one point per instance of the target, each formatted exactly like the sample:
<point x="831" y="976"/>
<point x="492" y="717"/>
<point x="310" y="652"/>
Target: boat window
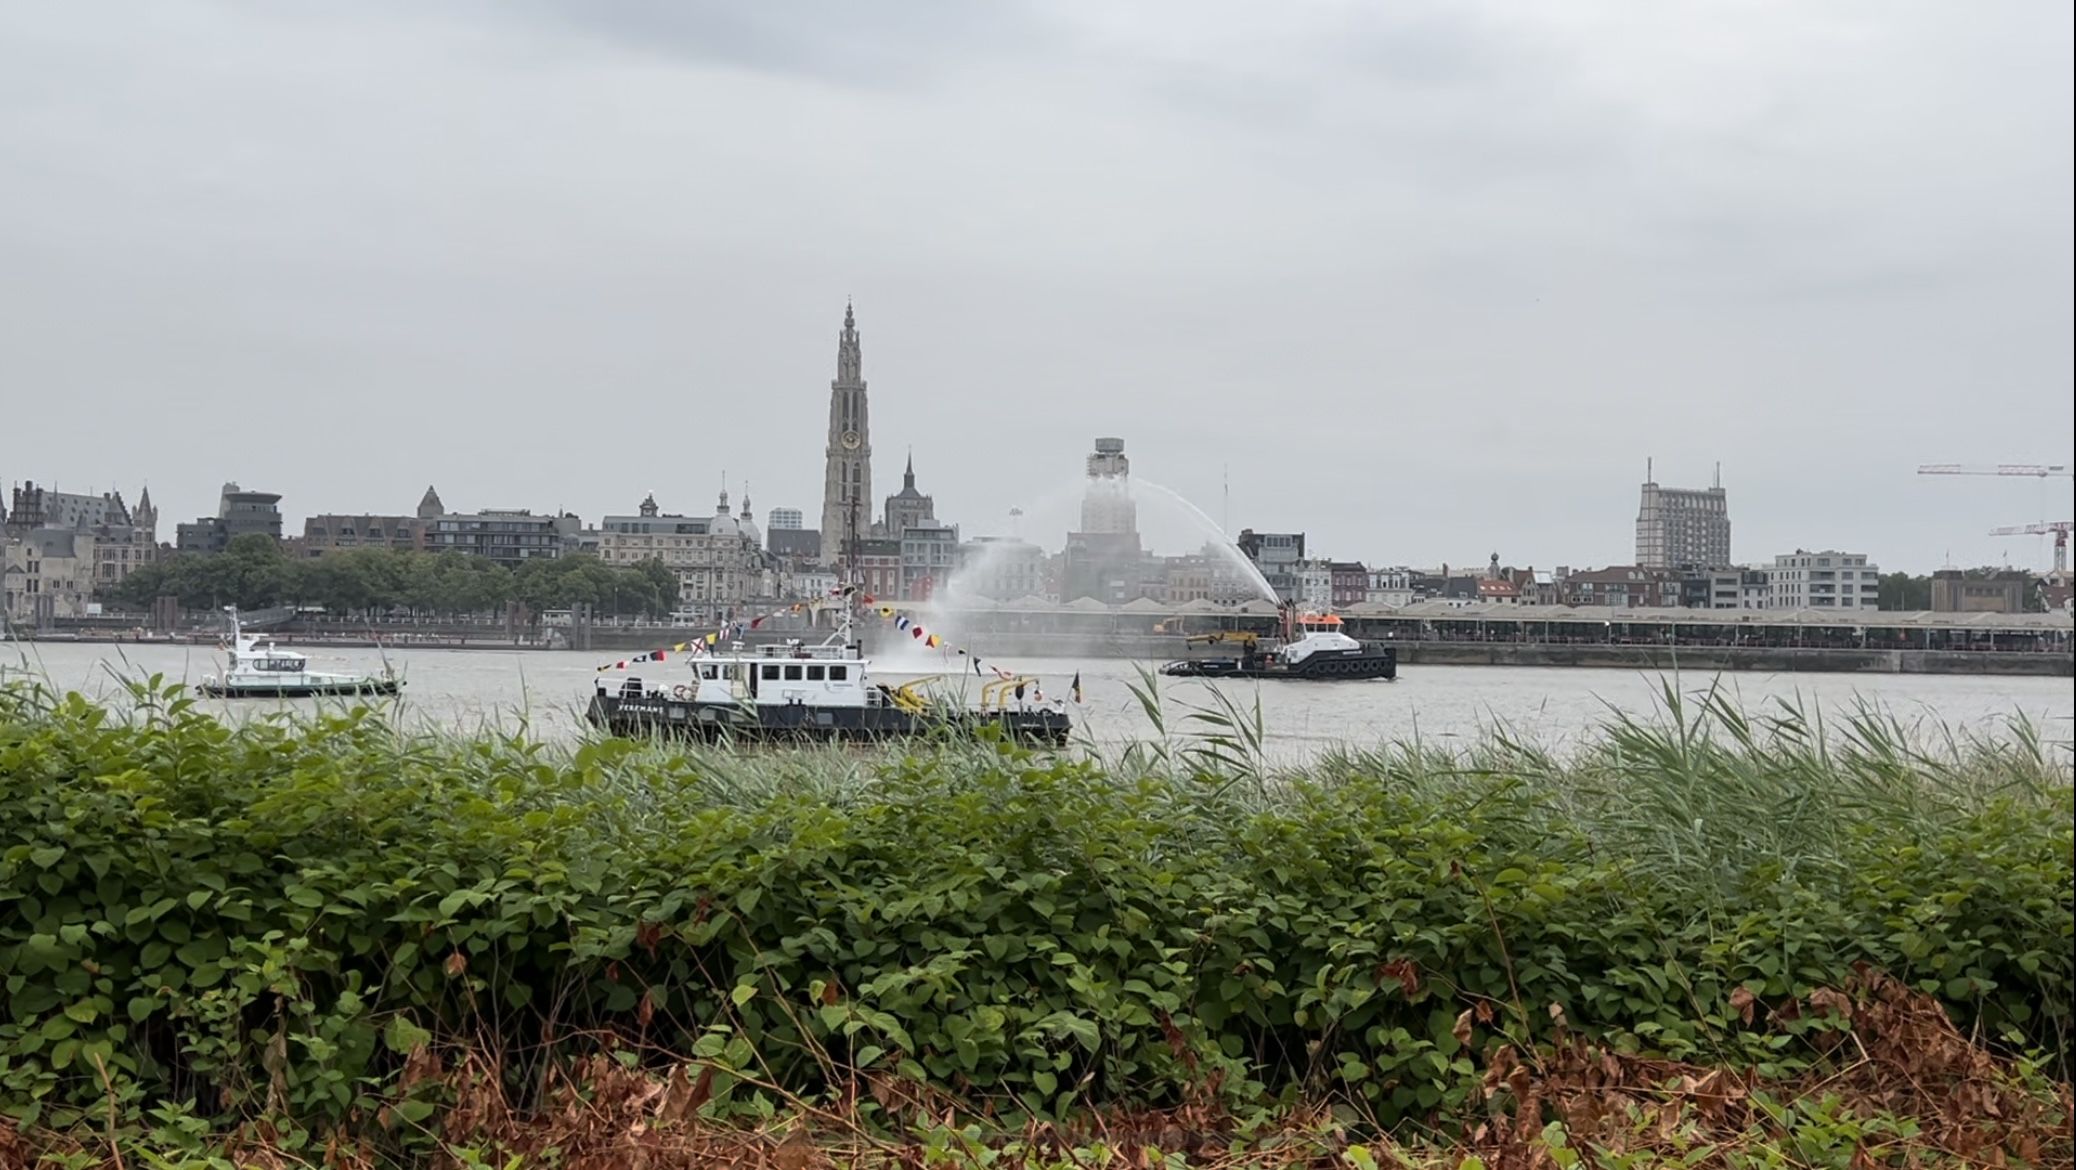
<point x="771" y="671"/>
<point x="839" y="673"/>
<point x="792" y="674"/>
<point x="815" y="673"/>
<point x="709" y="672"/>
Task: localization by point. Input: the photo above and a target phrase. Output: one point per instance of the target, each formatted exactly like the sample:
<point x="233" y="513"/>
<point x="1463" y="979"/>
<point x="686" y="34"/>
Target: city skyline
<point x="1419" y="282"/>
<point x="1067" y="506"/>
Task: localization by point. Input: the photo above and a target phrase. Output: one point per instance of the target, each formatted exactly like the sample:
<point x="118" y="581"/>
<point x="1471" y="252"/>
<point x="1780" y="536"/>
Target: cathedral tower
<point x="847" y="474"/>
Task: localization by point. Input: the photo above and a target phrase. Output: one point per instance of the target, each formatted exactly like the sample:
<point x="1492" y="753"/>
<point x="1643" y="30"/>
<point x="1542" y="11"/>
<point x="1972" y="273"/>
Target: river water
<point x="460" y="690"/>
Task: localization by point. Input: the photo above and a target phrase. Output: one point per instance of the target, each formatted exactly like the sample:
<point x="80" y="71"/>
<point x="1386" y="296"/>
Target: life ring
<point x="681" y="691"/>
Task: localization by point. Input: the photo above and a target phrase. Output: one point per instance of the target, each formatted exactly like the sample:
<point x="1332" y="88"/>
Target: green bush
<point x="273" y="917"/>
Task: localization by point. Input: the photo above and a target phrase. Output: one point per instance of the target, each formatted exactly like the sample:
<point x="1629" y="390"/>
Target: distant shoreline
<point x="1162" y="648"/>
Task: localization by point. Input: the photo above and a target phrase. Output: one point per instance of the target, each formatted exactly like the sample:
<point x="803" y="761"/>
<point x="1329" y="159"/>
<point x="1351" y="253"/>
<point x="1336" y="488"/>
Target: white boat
<point x="257" y="668"/>
<point x="796" y="692"/>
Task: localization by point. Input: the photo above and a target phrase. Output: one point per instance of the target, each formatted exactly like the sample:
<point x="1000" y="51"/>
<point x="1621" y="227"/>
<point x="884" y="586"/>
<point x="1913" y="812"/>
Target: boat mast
<point x="853" y="585"/>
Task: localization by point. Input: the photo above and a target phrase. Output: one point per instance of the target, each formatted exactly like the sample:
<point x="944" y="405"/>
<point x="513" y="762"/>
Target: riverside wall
<point x="1157" y="649"/>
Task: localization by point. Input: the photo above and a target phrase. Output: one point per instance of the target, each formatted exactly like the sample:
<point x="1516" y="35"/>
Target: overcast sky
<point x="1432" y="279"/>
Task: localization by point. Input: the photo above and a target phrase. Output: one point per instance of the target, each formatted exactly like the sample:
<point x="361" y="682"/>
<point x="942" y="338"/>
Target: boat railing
<point x="824" y="650"/>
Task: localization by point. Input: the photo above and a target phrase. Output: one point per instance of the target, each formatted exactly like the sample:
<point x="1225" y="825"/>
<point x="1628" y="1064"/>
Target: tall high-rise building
<point x="1106" y="500"/>
<point x="847" y="469"/>
<point x="1682" y="527"/>
<point x="785" y="520"/>
<point x="1103" y="558"/>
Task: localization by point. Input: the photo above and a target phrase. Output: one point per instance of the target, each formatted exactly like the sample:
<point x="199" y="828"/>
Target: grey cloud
<point x="1447" y="45"/>
<point x="842" y="41"/>
<point x="1430" y="279"/>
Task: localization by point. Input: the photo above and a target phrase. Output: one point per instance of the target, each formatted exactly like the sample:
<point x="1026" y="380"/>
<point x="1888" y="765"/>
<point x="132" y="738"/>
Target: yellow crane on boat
<point x="1245" y="638"/>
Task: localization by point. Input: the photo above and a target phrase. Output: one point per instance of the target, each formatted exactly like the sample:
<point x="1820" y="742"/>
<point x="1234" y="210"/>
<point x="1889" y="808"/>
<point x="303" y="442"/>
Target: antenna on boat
<point x="387" y="669"/>
<point x="850" y="574"/>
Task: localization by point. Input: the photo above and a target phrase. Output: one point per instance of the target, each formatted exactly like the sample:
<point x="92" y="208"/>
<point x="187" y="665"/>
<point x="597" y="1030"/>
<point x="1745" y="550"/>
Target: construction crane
<point x="2034" y="470"/>
<point x="2060" y="528"/>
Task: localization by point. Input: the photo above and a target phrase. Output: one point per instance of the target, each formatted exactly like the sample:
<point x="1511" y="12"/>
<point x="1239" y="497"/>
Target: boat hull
<point x="356" y="688"/>
<point x="1371" y="662"/>
<point x="658" y="716"/>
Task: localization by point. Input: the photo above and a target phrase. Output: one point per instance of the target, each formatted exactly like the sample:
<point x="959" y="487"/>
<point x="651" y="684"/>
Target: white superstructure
<point x="1316" y="633"/>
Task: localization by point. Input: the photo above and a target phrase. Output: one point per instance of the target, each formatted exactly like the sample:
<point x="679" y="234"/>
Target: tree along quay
<point x="338" y="925"/>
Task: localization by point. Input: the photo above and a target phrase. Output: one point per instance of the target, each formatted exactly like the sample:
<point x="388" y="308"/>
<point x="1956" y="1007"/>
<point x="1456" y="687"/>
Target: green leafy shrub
<point x="283" y="917"/>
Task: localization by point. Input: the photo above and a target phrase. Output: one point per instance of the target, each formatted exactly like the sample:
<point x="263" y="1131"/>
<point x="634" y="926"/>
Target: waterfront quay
<point x="1912" y="642"/>
<point x="1427" y="633"/>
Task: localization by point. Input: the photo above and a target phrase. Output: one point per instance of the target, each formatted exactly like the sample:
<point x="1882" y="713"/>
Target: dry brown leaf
<point x="1405" y="971"/>
<point x="797" y="1152"/>
<point x="1741" y="1001"/>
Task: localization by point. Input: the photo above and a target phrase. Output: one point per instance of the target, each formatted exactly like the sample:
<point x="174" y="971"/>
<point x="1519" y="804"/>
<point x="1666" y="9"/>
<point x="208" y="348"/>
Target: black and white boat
<point x="1313" y="648"/>
<point x="801" y="693"/>
<point x="256" y="668"/>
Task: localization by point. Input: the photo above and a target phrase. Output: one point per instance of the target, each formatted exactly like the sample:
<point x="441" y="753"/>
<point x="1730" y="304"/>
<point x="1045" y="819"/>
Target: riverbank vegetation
<point x="255" y="573"/>
<point x="1711" y="938"/>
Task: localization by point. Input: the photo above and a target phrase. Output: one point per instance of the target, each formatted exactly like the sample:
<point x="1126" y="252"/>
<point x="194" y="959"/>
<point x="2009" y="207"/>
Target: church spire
<point x="847" y="474"/>
<point x="850" y="360"/>
<point x="908" y="476"/>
